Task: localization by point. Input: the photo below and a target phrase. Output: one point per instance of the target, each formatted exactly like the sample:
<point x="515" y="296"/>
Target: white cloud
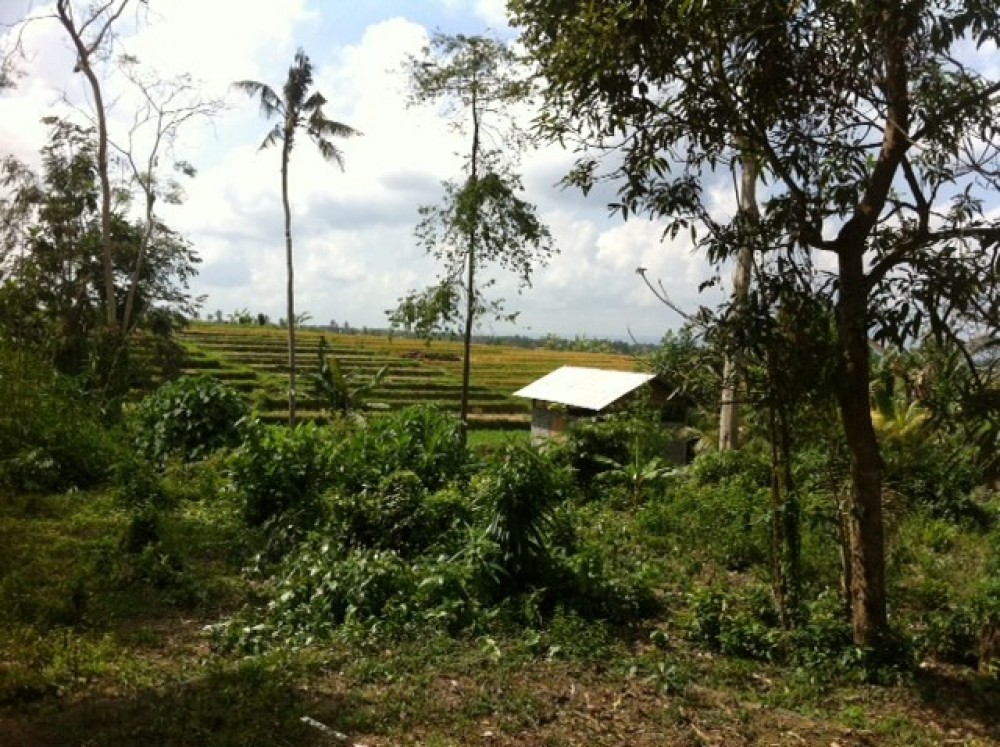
<point x="493" y="12"/>
<point x="354" y="249"/>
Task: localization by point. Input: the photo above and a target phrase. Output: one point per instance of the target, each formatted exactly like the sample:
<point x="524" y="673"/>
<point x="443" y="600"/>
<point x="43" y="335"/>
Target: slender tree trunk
<point x="729" y="413"/>
<point x="864" y="517"/>
<point x="470" y="286"/>
<point x="140" y="261"/>
<point x="83" y="53"/>
<point x="291" y="283"/>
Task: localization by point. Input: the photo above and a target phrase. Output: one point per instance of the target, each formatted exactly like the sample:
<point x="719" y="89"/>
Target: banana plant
<point x="638" y="473"/>
<point x="343" y="393"/>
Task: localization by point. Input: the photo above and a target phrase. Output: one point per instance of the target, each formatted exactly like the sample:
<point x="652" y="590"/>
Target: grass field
<point x="254" y="360"/>
<point x="102" y="651"/>
<point x="142" y="612"/>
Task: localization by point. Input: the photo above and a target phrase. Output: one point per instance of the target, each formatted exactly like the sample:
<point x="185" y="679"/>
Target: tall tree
<point x="482" y="220"/>
<point x="91" y="35"/>
<point x="297" y="108"/>
<point x="52" y="297"/>
<point x="165" y="106"/>
<point x="877" y="140"/>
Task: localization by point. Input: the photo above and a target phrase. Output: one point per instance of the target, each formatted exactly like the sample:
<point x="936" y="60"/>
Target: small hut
<point x="570" y="393"/>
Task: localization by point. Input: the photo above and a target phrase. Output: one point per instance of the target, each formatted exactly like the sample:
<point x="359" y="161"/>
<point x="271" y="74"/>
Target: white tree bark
<point x="729" y="412"/>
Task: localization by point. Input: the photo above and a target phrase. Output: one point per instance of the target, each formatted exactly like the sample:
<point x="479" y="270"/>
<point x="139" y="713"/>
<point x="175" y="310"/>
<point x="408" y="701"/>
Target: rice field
<point x="254" y="360"/>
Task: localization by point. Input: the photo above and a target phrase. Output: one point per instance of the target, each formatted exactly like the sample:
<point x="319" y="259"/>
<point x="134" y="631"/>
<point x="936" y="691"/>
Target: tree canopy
<point x="51" y="254"/>
<point x="876" y="135"/>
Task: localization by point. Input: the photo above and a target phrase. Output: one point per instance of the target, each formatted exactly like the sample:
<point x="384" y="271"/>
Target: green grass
<point x="97" y="649"/>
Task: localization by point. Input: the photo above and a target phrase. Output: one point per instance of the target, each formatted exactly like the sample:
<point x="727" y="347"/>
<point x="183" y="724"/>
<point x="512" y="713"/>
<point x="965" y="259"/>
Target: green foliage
<point x="278" y="469"/>
<point x="602" y="584"/>
<point x="520" y="491"/>
<point x="591" y="443"/>
<point x="937" y="474"/>
<point x="647" y="91"/>
<point x="400" y="514"/>
<point x="823" y="643"/>
<point x="691" y="366"/>
<point x="51" y="664"/>
<point x="52" y="294"/>
<point x="342" y="393"/>
<point x="623" y="449"/>
<point x="418" y="439"/>
<point x="484" y="218"/>
<point x="736" y="623"/>
<point x="724" y="497"/>
<point x="323" y="591"/>
<point x="51" y="435"/>
<point x="189" y="418"/>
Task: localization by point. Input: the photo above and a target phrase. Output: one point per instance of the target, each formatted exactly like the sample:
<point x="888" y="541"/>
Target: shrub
<point x="421" y="440"/>
<point x="949" y="634"/>
<point x="322" y="591"/>
<point x="189" y="418"/>
<point x="278" y="469"/>
<point x="400" y="515"/>
<point x="519" y="493"/>
<point x="590" y="445"/>
<point x="51" y="435"/>
<point x="733" y="512"/>
<point x="608" y="588"/>
<point x="936" y="474"/>
<point x="736" y="623"/>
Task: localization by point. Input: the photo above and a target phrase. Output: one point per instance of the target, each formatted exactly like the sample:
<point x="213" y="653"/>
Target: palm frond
<point x="276" y="135"/>
<point x="270" y="102"/>
<point x="314" y="102"/>
<point x="328" y="150"/>
<point x="320" y="126"/>
<point x="299" y="81"/>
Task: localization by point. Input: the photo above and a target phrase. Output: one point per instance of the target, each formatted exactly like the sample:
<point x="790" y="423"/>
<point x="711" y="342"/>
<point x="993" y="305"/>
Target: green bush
<point x="189" y="418"/>
<point x="400" y="515"/>
<point x="590" y="444"/>
<point x="278" y="469"/>
<point x="936" y="474"/>
<point x="604" y="587"/>
<point x="948" y="634"/>
<point x="519" y="492"/>
<point x="421" y="440"/>
<point x="322" y="592"/>
<point x="733" y="512"/>
<point x="51" y="434"/>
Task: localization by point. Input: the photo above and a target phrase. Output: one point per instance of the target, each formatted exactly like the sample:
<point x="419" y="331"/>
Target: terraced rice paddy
<point x="254" y="360"/>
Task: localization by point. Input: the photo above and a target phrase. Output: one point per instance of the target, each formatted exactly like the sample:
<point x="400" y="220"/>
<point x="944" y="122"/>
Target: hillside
<point x="254" y="360"/>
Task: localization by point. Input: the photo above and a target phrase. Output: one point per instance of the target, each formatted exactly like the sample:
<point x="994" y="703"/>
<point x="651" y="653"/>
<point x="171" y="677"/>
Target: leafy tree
<point x="51" y="257"/>
<point x="163" y="107"/>
<point x="483" y="220"/>
<point x="91" y="34"/>
<point x="296" y="108"/>
<point x="876" y="140"/>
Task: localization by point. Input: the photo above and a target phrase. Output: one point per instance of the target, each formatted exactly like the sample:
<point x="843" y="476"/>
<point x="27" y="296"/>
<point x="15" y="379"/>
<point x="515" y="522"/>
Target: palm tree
<point x="299" y="108"/>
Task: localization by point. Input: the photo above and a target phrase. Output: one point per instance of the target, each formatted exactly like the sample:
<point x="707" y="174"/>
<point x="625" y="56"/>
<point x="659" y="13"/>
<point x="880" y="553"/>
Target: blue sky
<point x="355" y="252"/>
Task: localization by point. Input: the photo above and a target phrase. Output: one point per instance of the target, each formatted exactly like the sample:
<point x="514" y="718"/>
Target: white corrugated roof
<point x="590" y="388"/>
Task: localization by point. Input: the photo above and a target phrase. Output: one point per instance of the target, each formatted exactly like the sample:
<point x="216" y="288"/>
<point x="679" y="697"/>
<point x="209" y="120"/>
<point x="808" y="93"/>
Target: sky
<point x="355" y="252"/>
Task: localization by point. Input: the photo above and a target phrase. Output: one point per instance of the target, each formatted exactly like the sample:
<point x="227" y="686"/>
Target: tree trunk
<point x="864" y="516"/>
<point x="470" y="287"/>
<point x="291" y="284"/>
<point x="729" y="413"/>
<point x="83" y="52"/>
